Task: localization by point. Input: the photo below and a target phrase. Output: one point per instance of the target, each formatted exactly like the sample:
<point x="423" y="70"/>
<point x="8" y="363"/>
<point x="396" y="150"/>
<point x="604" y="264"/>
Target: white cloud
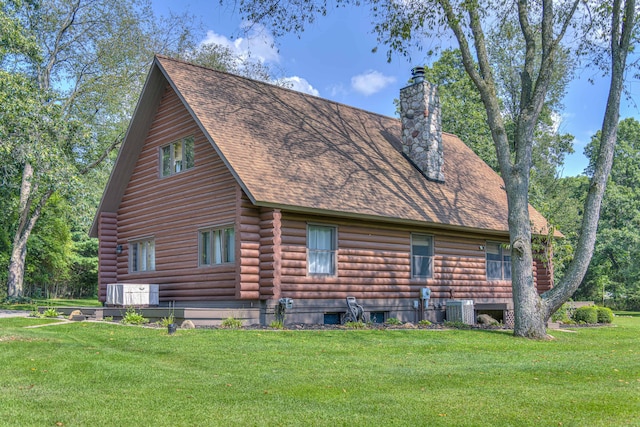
<point x="300" y="84"/>
<point x="371" y="82"/>
<point x="257" y="45"/>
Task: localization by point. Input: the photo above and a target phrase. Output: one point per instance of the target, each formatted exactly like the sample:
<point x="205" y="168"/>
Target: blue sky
<point x="333" y="59"/>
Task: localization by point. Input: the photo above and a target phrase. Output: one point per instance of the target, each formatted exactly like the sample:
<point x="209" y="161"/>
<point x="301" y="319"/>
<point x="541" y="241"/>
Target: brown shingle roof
<point x="302" y="152"/>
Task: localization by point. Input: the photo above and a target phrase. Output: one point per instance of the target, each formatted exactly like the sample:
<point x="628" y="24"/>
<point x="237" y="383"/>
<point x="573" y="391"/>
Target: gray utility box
<point x="132" y="294"/>
<point x="460" y="311"/>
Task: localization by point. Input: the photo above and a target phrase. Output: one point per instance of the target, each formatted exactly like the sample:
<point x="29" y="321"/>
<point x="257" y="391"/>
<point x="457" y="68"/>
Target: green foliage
<point x="51" y="312"/>
<point x="562" y="314"/>
<point x="132" y="317"/>
<point x="424" y="322"/>
<point x="605" y="315"/>
<point x="276" y="324"/>
<point x="355" y="325"/>
<point x="166" y="321"/>
<point x="614" y="273"/>
<point x="588" y="315"/>
<point x="231" y="323"/>
<point x="457" y="324"/>
<point x="393" y="321"/>
<point x="67" y="74"/>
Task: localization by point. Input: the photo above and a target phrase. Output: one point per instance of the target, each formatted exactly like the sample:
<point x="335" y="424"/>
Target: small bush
<point x="424" y="322"/>
<point x="562" y="314"/>
<point x="393" y="321"/>
<point x="355" y="325"/>
<point x="276" y="324"/>
<point x="456" y="324"/>
<point x="231" y="323"/>
<point x="107" y="318"/>
<point x="588" y="315"/>
<point x="605" y="315"/>
<point x="50" y="312"/>
<point x="132" y="317"/>
<point x="166" y="321"/>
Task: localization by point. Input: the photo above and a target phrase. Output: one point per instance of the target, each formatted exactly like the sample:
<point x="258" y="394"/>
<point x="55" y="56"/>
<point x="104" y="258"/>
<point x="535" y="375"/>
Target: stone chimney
<point x="422" y="126"/>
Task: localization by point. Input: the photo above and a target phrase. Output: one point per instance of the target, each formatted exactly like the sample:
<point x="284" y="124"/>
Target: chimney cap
<point x="417" y="73"/>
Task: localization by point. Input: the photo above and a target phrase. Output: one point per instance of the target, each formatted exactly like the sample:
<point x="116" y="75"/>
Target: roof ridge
<point x="337" y="103"/>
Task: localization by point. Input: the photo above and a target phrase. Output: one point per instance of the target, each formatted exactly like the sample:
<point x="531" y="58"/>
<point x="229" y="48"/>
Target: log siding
<point x="373" y="258"/>
<point x="173" y="209"/>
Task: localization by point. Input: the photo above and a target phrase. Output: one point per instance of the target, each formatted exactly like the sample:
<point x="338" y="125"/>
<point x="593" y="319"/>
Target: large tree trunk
<point x="528" y="308"/>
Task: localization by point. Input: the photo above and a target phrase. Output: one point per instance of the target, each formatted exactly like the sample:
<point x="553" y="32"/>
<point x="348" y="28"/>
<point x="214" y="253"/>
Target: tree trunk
<point x="528" y="309"/>
<point x="27" y="220"/>
<point x="16" y="270"/>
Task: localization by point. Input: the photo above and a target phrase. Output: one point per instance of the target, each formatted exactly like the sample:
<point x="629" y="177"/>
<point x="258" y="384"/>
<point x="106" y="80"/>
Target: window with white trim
<point x="421" y="256"/>
<point x="217" y="245"/>
<point x="498" y="261"/>
<point x="177" y="156"/>
<point x="321" y="249"/>
<point x="142" y="255"/>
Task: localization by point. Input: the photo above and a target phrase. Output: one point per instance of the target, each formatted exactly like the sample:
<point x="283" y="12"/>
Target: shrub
<point x="166" y="321"/>
<point x="587" y="315"/>
<point x="562" y="314"/>
<point x="50" y="312"/>
<point x="393" y="321"/>
<point x="231" y="323"/>
<point x="355" y="325"/>
<point x="424" y="322"/>
<point x="456" y="324"/>
<point x="605" y="315"/>
<point x="276" y="324"/>
<point x="132" y="317"/>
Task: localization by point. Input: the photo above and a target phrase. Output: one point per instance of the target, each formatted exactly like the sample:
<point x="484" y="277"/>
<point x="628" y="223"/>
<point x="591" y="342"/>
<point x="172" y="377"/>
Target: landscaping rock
<point x="77" y="316"/>
<point x="485" y="319"/>
<point x="187" y="324"/>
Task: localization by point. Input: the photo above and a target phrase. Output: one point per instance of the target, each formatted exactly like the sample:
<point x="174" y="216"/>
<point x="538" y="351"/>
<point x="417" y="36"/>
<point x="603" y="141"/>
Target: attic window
<point x="176" y="157"/>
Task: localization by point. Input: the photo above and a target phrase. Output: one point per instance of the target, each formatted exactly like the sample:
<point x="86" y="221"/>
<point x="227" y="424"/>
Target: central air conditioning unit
<point x="132" y="294"/>
<point x="460" y="311"/>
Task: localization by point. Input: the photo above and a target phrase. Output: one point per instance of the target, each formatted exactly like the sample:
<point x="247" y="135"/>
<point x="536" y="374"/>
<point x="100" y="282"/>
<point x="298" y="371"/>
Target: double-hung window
<point x="176" y="157"/>
<point x="421" y="256"/>
<point x="321" y="250"/>
<point x="217" y="245"/>
<point x="498" y="261"/>
<point x="142" y="255"/>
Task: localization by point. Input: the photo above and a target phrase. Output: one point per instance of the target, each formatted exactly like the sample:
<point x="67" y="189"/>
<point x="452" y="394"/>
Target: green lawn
<point x="52" y="303"/>
<point x="104" y="374"/>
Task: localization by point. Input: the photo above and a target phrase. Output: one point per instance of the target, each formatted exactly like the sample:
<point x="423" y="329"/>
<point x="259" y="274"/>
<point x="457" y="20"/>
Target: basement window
<point x="177" y="156"/>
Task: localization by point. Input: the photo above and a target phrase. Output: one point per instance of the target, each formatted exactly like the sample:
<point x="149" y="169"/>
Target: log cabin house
<point x="232" y="194"/>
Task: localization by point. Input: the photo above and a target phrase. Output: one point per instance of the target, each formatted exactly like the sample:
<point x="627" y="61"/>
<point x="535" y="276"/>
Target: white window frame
<point x="216" y="245"/>
<point x="414" y="273"/>
<point x="504" y="255"/>
<point x="142" y="255"/>
<point x="316" y="265"/>
<point x="171" y="165"/>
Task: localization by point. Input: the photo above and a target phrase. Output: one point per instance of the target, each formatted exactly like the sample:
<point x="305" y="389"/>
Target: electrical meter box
<point x="425" y="293"/>
<point x="287" y="302"/>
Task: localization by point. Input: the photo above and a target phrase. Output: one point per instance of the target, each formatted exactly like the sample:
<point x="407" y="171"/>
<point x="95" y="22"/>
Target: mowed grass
<point x="53" y="302"/>
<point x="104" y="374"/>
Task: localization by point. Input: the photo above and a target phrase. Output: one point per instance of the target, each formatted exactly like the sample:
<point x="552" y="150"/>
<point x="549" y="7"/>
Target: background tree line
<point x="66" y="95"/>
